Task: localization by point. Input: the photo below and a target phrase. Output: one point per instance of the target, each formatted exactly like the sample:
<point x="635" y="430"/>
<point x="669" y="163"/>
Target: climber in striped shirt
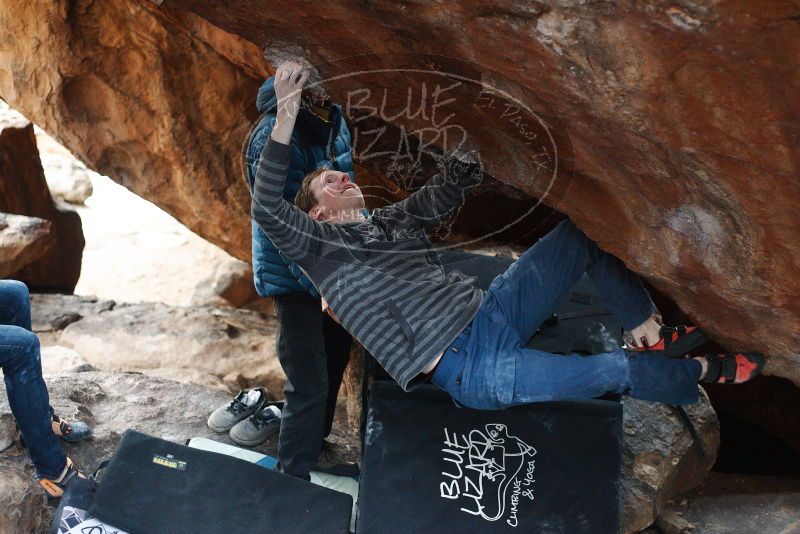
<point x="380" y="277"/>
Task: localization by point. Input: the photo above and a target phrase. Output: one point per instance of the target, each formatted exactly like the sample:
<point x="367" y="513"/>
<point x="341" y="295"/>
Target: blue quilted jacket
<point x="314" y="144"/>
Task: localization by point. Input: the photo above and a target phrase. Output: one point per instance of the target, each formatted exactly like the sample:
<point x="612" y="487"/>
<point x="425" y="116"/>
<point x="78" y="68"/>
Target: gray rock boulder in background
<point x="67" y="179"/>
<point x="223" y="348"/>
<point x="57" y="359"/>
<point x="231" y="285"/>
<point x="23" y="191"/>
<point x="660" y="459"/>
<point x="22" y="241"/>
<point x="73" y="189"/>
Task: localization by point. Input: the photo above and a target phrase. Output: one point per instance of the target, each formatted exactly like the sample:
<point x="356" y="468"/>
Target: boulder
<point x="67" y="178"/>
<point x="23" y="191"/>
<point x="52" y="313"/>
<point x="22" y="241"/>
<point x="59" y="360"/>
<point x="231" y="284"/>
<point x="633" y="98"/>
<point x="157" y="101"/>
<point x="660" y="458"/>
<point x="71" y="185"/>
<point x="197" y="344"/>
<point x="668" y="128"/>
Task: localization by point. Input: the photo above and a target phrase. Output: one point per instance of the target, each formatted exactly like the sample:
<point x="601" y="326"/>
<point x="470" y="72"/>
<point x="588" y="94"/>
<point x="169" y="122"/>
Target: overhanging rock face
<point x="150" y="100"/>
<point x="675" y="124"/>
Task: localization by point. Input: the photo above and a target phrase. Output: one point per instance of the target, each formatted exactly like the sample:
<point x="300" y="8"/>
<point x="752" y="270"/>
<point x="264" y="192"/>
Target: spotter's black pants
<point x="313" y="351"/>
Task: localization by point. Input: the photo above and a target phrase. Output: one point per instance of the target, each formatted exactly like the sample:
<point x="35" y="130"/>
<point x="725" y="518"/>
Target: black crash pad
<point x="153" y="485"/>
<point x="430" y="466"/>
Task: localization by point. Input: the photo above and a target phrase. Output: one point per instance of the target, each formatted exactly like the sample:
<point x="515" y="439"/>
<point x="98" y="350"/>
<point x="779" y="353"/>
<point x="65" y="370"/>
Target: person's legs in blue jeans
<point x="526" y="294"/>
<point x="15" y="304"/>
<point x="541" y="376"/>
<point x="529" y="290"/>
<point x="494" y="369"/>
<point x="15" y="308"/>
<point x="22" y="370"/>
<point x="28" y="398"/>
<point x="488" y="367"/>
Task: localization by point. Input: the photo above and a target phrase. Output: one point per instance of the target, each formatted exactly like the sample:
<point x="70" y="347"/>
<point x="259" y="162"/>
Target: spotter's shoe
<point x="55" y="488"/>
<point x="76" y="431"/>
<point x="258" y="427"/>
<point x="243" y="405"/>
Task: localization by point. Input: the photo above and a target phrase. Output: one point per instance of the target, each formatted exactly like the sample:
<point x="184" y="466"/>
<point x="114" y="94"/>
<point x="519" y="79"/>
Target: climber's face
<point x="337" y="196"/>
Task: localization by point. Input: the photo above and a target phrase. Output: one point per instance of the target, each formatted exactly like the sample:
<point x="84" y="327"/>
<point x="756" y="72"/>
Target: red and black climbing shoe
<point x="733" y="368"/>
<point x="674" y="341"/>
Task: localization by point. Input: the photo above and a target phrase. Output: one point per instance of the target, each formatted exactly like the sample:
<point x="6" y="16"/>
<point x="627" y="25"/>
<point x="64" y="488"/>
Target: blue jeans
<point x="489" y="367"/>
<point x="22" y="370"/>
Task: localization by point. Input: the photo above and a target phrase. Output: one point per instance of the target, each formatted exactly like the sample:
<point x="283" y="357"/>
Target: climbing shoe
<point x="55" y="488"/>
<point x="243" y="405"/>
<point x="674" y="341"/>
<point x="76" y="431"/>
<point x="258" y="427"/>
<point x="733" y="368"/>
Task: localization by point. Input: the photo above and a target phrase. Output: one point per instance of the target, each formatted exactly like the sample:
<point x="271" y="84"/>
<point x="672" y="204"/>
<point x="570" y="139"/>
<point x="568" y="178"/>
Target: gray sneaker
<point x="223" y="418"/>
<point x="258" y="427"/>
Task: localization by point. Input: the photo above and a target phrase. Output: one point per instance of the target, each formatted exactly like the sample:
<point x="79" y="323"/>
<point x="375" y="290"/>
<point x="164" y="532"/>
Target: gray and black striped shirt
<point x="381" y="277"/>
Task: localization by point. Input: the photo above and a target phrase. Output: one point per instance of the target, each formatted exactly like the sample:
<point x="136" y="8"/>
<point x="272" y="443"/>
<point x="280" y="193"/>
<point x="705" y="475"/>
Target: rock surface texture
<point x="736" y="503"/>
<point x="653" y="469"/>
<point x="23" y="191"/>
<point x="231" y="285"/>
<point x="150" y="98"/>
<point x="660" y="459"/>
<point x="74" y="191"/>
<point x="223" y="348"/>
<point x="675" y="122"/>
<point x="22" y="240"/>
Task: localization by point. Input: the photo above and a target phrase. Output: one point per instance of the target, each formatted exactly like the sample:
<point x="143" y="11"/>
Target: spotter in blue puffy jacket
<point x="315" y="143"/>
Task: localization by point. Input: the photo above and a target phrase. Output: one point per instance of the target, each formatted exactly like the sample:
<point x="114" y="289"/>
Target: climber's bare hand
<point x="290" y="78"/>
